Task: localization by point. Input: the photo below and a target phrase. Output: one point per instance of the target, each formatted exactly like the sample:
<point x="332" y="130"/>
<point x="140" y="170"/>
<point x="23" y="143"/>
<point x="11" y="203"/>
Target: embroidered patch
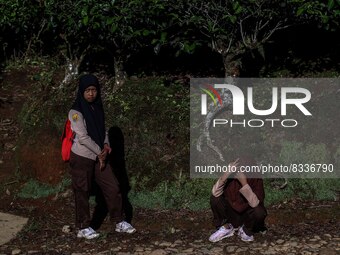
<point x="75" y="117"/>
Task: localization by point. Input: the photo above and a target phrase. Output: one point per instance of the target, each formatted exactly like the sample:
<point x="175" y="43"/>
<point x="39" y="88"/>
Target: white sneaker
<point x="125" y="227"/>
<point x="244" y="236"/>
<point x="222" y="233"/>
<point x="87" y="233"/>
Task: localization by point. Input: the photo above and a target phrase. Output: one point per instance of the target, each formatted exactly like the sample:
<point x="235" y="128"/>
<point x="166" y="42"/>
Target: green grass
<point x="194" y="194"/>
<point x="34" y="189"/>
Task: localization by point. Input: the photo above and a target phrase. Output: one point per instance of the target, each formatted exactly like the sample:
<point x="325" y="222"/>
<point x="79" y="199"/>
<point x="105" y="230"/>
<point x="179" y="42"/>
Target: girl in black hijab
<point x="88" y="159"/>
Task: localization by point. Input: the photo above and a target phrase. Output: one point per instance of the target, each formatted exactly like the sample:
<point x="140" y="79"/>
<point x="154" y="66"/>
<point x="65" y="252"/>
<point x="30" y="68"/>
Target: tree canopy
<point x="124" y="28"/>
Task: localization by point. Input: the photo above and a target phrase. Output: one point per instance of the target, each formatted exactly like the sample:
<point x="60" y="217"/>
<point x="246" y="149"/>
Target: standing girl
<point x="88" y="159"/>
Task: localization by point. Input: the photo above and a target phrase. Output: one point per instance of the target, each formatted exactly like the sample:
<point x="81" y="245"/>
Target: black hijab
<point x="92" y="112"/>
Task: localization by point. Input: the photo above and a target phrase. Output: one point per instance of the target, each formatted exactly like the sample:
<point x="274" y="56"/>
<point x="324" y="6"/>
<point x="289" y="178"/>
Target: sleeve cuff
<point x="251" y="197"/>
<point x="217" y="189"/>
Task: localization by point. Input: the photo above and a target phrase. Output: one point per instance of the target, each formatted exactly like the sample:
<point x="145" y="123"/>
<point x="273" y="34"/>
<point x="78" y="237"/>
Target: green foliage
<point x="20" y="22"/>
<point x="191" y="194"/>
<point x="124" y="28"/>
<point x="46" y="104"/>
<point x="154" y="119"/>
<point x="325" y="14"/>
<point x="306" y="189"/>
<point x="35" y="189"/>
<point x="231" y="28"/>
<point x="296" y="152"/>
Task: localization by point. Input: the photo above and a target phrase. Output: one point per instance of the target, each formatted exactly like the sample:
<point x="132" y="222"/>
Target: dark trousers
<point x="84" y="171"/>
<point x="100" y="210"/>
<point x="252" y="218"/>
<point x="117" y="162"/>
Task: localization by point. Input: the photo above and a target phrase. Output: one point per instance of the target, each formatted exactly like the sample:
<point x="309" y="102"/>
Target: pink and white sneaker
<point x="221" y="233"/>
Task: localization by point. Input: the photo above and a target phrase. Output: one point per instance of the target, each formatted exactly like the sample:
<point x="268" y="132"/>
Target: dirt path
<point x="300" y="228"/>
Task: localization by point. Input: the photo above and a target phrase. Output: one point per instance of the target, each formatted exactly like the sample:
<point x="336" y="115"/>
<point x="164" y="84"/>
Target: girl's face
<point x="90" y="94"/>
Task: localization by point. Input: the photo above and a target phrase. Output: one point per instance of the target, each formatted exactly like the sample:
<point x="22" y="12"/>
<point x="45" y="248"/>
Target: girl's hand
<point x="107" y="148"/>
<point x="232" y="167"/>
<point x="241" y="177"/>
<point x="102" y="159"/>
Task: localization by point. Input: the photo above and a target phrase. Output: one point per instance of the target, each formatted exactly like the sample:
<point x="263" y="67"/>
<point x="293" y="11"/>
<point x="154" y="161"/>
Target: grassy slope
<point x="154" y="118"/>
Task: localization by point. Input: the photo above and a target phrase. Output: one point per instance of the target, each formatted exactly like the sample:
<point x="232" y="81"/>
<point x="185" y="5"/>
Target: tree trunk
<point x="71" y="71"/>
<point x="231" y="70"/>
<point x="120" y="75"/>
<point x="232" y="65"/>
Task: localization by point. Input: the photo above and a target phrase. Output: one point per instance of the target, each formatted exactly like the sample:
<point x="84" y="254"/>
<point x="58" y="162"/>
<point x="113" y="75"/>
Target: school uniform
<point x="237" y="205"/>
<point x="87" y="121"/>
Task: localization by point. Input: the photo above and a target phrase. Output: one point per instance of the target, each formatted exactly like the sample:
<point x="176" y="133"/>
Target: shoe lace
<point x="125" y="225"/>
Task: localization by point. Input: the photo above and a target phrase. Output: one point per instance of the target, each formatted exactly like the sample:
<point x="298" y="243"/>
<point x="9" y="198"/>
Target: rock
<point x="10" y="225"/>
<point x="16" y="251"/>
<point x="196" y="245"/>
<point x="280" y="241"/>
<point x="216" y="250"/>
<point x="293" y="244"/>
<point x="241" y="249"/>
<point x="284" y="248"/>
<point x="315" y="246"/>
<point x="9" y="146"/>
<point x="327" y="251"/>
<point x="230" y="249"/>
<point x="104" y="253"/>
<point x="172" y="250"/>
<point x="189" y="250"/>
<point x="67" y="193"/>
<point x="265" y="244"/>
<point x="158" y="252"/>
<point x="166" y="244"/>
<point x="269" y="251"/>
<point x="66" y="229"/>
<point x="139" y="249"/>
<point x="116" y="249"/>
<point x="328" y="235"/>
